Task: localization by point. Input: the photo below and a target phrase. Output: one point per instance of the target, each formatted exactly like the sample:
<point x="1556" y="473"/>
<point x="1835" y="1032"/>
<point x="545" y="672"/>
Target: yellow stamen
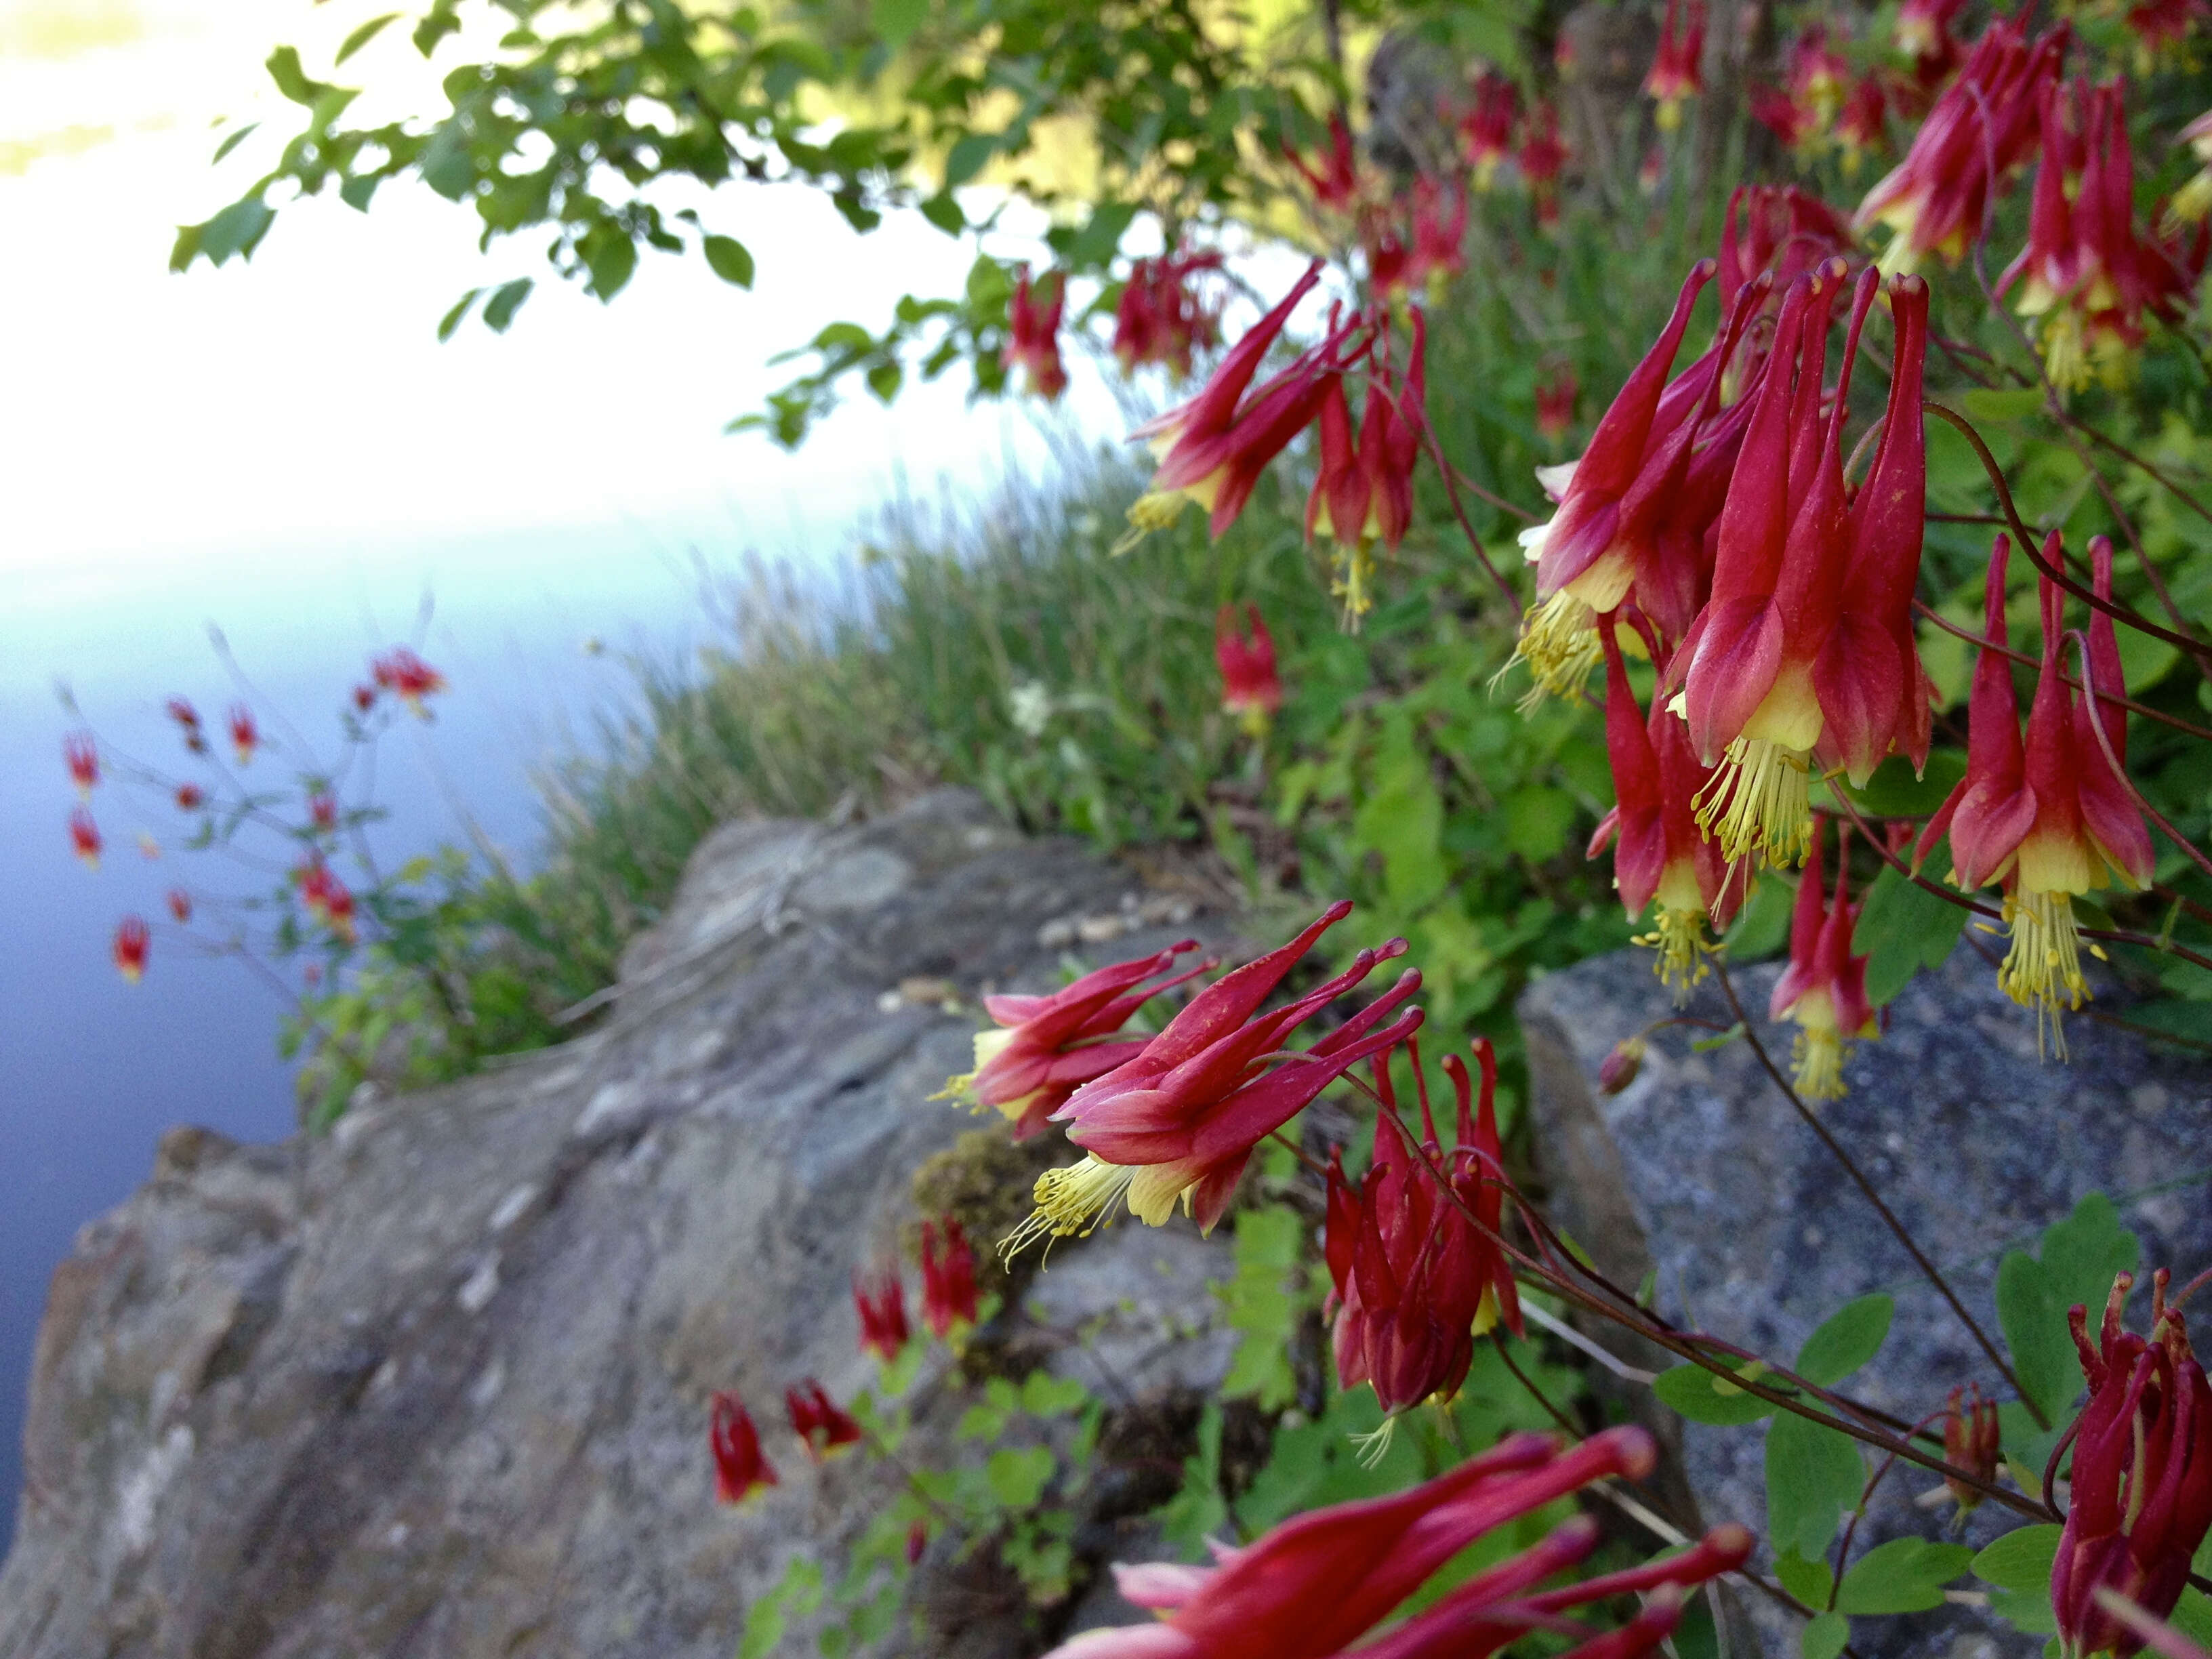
<point x="1558" y="642"/>
<point x="1070" y="1203"/>
<point x="1679" y="937"/>
<point x="1760" y="796"/>
<point x="2041" y="971"/>
<point x="1354" y="574"/>
<point x="1372" y="1448"/>
<point x="1155" y="510"/>
<point x="2065" y="356"/>
<point x="1817" y="1062"/>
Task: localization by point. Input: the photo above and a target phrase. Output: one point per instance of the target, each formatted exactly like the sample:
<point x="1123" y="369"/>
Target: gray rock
<point x="1700" y="1174"/>
<point x="436" y="1384"/>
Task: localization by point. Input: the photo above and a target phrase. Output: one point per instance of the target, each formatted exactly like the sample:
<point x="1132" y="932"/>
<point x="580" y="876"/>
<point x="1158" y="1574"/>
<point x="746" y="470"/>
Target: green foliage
<point x="2077" y="1263"/>
<point x="1703" y="1397"/>
<point x="1906" y="928"/>
<point x="2018" y="1565"/>
<point x="1905" y="1575"/>
<point x="1263" y="1305"/>
<point x="1813" y="1477"/>
<point x="1846" y="1340"/>
<point x="796" y="1595"/>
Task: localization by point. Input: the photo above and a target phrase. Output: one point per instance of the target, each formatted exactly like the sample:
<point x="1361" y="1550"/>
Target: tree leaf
<point x="968" y="157"/>
<point x="1695" y="1393"/>
<point x="452" y="319"/>
<point x="362" y="36"/>
<point x="1905" y="1575"/>
<point x="1847" y="1339"/>
<point x="896" y="20"/>
<point x="499" y="310"/>
<point x="1810" y="1581"/>
<point x="729" y="259"/>
<point x="1824" y="1636"/>
<point x="2022" y="1559"/>
<point x="943" y="212"/>
<point x="1908" y="928"/>
<point x="238" y="229"/>
<point x="1813" y="1474"/>
<point x="611" y="256"/>
<point x="234" y="141"/>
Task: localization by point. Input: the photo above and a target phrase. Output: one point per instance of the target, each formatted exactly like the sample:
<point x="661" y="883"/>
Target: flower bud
<point x="1621" y="1067"/>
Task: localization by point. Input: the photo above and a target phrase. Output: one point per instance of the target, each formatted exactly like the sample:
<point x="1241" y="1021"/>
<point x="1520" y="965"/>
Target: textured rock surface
<point x="1700" y="1172"/>
<point x="437" y="1384"/>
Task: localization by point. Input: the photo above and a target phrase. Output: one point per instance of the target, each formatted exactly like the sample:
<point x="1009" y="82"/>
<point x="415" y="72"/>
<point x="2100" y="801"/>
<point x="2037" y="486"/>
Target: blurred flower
<point x="2159" y="26"/>
<point x="81" y="755"/>
<point x="406" y="676"/>
<point x="180" y="905"/>
<point x="1033" y="336"/>
<point x="917" y="1542"/>
<point x="245" y="735"/>
<point x="1179" y="1120"/>
<point x="84" y="837"/>
<point x="818" y="1421"/>
<point x="188" y="722"/>
<point x="1488" y="126"/>
<point x="149" y="849"/>
<point x="1251" y="689"/>
<point x="948" y="1280"/>
<point x="1863" y="122"/>
<point x="190" y="797"/>
<point x="1779" y="229"/>
<point x="1677" y="70"/>
<point x="881" y="1305"/>
<point x="1160" y="318"/>
<point x="1824" y="988"/>
<point x="1971" y="1441"/>
<point x="2142" y="1489"/>
<point x="740" y="1470"/>
<point x="323" y="810"/>
<point x="1333" y="174"/>
<point x="1041" y="1049"/>
<point x="326" y="898"/>
<point x="132" y="940"/>
<point x="1542" y="158"/>
<point x="1923" y="35"/>
<point x="1555" y="403"/>
<point x="1029" y="706"/>
<point x="1438" y="253"/>
<point x="364" y="698"/>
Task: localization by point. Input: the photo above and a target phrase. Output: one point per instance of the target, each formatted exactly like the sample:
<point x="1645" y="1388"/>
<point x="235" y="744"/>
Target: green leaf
<point x="1262" y="1308"/>
<point x="238" y="229"/>
<point x="1762" y="927"/>
<point x="611" y="256"/>
<point x="1905" y="928"/>
<point x="2022" y="1559"/>
<point x="981" y="1422"/>
<point x="1018" y="1476"/>
<point x="284" y="69"/>
<point x="968" y="157"/>
<point x="2079" y="1257"/>
<point x="1044" y="1395"/>
<point x="506" y="298"/>
<point x="729" y="259"/>
<point x="1810" y="1581"/>
<point x="896" y="20"/>
<point x="1905" y="1575"/>
<point x="944" y="213"/>
<point x="885" y="380"/>
<point x="446" y="164"/>
<point x="234" y="141"/>
<point x="356" y="190"/>
<point x="362" y="36"/>
<point x="2026" y="1610"/>
<point x="1892" y="792"/>
<point x="1813" y="1474"/>
<point x="1696" y="1392"/>
<point x="452" y="319"/>
<point x="1537" y="820"/>
<point x="1824" y="1636"/>
<point x="1847" y="1339"/>
<point x="1101" y="233"/>
<point x="1993" y="403"/>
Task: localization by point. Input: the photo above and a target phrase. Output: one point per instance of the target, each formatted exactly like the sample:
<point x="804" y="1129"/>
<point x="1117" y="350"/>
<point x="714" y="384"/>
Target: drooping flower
<point x="1817" y="76"/>
<point x="880" y="1301"/>
<point x="1159" y="318"/>
<point x="821" y="1424"/>
<point x="1790" y="121"/>
<point x="1823" y="989"/>
<point x="1213" y="449"/>
<point x="1439" y="254"/>
<point x="1660" y="860"/>
<point x="1779" y="229"/>
<point x="1542" y="158"/>
<point x="1333" y="174"/>
<point x="1312" y="1586"/>
<point x="81" y="755"/>
<point x="948" y="1280"/>
<point x="1033" y="336"/>
<point x="2161" y="26"/>
<point x="190" y="797"/>
<point x="364" y="697"/>
<point x="149" y="849"/>
<point x="407" y="677"/>
<point x="1364" y="495"/>
<point x="1244" y="652"/>
<point x="180" y="905"/>
<point x="1971" y="1441"/>
<point x="245" y="734"/>
<point x="1864" y="121"/>
<point x="132" y="940"/>
<point x="1555" y="403"/>
<point x="84" y="837"/>
<point x="322" y="812"/>
<point x="1979" y="131"/>
<point x="1488" y="126"/>
<point x="1180" y="1120"/>
<point x="325" y="898"/>
<point x="1677" y="70"/>
<point x="2049" y="818"/>
<point x="188" y="722"/>
<point x="740" y="1468"/>
<point x="2141" y="1489"/>
<point x="1042" y="1048"/>
<point x="1415" y="1280"/>
<point x="1923" y="35"/>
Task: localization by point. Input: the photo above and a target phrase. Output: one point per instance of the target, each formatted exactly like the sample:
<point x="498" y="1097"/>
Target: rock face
<point x="437" y="1384"/>
<point x="1700" y="1174"/>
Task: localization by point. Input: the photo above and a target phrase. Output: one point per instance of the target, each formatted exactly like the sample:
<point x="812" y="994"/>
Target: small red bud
<point x="1618" y="1068"/>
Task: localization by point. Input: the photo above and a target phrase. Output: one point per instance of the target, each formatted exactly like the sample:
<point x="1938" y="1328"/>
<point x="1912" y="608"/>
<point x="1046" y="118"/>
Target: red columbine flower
<point x="180" y="905"/>
<point x="1824" y="988"/>
<point x="190" y="797"/>
<point x="326" y="898"/>
<point x="132" y="940"/>
<point x="1659" y="855"/>
<point x="1864" y="121"/>
<point x="1160" y="318"/>
<point x="1439" y="236"/>
<point x="1923" y="35"/>
<point x="323" y="808"/>
<point x="917" y="1542"/>
<point x="1334" y="175"/>
<point x="1312" y="1586"/>
<point x="1488" y="126"/>
<point x="245" y="735"/>
<point x="2142" y="1475"/>
<point x="740" y="1470"/>
<point x="1555" y="403"/>
<point x="1677" y="69"/>
<point x="81" y="755"/>
<point x="364" y="698"/>
<point x="406" y="676"/>
<point x="1781" y="230"/>
<point x="2049" y="818"/>
<point x="1972" y="1437"/>
<point x="948" y="1281"/>
<point x="1033" y="336"/>
<point x="1415" y="1280"/>
<point x="1935" y="198"/>
<point x="1180" y="1120"/>
<point x="1542" y="158"/>
<point x="820" y="1422"/>
<point x="1251" y="689"/>
<point x="1364" y="495"/>
<point x="188" y="722"/>
<point x="1817" y="77"/>
<point x="84" y="837"/>
<point x="881" y="1303"/>
<point x="1043" y="1047"/>
<point x="2159" y="26"/>
<point x="1213" y="448"/>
